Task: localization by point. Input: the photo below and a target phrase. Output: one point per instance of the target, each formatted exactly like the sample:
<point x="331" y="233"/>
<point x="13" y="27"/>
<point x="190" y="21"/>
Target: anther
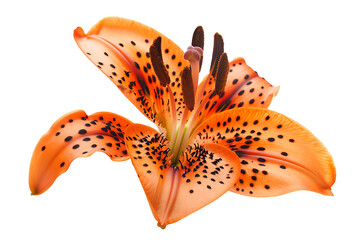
<point x="157" y="45"/>
<point x="187" y="88"/>
<point x="221" y="74"/>
<point x="198" y="37"/>
<point x="158" y="64"/>
<point x="198" y="41"/>
<point x="217" y="51"/>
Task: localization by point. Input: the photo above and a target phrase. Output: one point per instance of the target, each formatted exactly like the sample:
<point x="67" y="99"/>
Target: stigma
<point x="193" y="55"/>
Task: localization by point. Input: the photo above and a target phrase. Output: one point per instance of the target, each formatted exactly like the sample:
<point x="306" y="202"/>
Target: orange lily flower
<point x="213" y="137"/>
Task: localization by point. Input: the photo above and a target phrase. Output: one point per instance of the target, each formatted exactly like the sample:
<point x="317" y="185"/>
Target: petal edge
<point x="75" y="135"/>
<point x="266" y="139"/>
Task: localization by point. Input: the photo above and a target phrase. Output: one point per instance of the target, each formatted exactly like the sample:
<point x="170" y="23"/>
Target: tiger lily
<point x="212" y="137"/>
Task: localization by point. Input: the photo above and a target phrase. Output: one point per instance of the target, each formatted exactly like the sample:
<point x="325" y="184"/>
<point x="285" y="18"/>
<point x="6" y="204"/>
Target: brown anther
<point x="198" y="37"/>
<point x="198" y="41"/>
<point x="217" y="51"/>
<point x="221" y="74"/>
<point x="187" y="88"/>
<point x="157" y="44"/>
<point x="157" y="62"/>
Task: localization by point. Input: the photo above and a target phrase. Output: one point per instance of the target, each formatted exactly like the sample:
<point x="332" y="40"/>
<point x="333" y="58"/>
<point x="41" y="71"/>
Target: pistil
<point x="220" y="83"/>
<point x="193" y="97"/>
<point x="193" y="55"/>
<point x="189" y="83"/>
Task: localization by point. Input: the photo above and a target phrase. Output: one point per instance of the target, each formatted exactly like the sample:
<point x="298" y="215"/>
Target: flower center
<point x="189" y="83"/>
<point x="178" y="134"/>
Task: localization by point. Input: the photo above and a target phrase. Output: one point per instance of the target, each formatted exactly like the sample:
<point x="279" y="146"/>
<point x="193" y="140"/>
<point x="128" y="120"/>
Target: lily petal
<point x="206" y="172"/>
<point x="278" y="155"/>
<point x="244" y="88"/>
<point x="75" y="135"/>
<point x="120" y="49"/>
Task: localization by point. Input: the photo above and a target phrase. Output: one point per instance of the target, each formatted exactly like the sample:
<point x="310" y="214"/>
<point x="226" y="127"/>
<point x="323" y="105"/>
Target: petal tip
<point x="276" y="90"/>
<point x="328" y="192"/>
<point x="79" y="32"/>
<point x="161" y="226"/>
<point x="34" y="193"/>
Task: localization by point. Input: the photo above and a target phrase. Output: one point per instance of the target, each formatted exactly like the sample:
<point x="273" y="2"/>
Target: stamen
<point x="172" y="115"/>
<point x="164" y="78"/>
<point x="198" y="41"/>
<point x="187" y="88"/>
<point x="157" y="44"/>
<point x="217" y="51"/>
<point x="198" y="37"/>
<point x="158" y="64"/>
<point x="200" y="92"/>
<point x="199" y="104"/>
<point x="221" y="74"/>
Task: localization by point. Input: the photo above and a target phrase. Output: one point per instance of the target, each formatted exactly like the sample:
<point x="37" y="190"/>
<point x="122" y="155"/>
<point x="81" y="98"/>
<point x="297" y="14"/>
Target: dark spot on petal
<point x="82" y="131"/>
<point x="67" y="139"/>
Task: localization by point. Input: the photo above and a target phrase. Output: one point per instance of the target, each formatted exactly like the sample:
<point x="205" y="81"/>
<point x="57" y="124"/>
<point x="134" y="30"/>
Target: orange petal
<point x="277" y="154"/>
<point x="244" y="88"/>
<point x="120" y="49"/>
<point x="75" y="135"/>
<point x="205" y="173"/>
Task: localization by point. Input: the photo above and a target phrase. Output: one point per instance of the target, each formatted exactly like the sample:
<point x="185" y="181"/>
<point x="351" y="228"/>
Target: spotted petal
<point x="277" y="154"/>
<point x="206" y="172"/>
<point x="120" y="49"/>
<point x="244" y="88"/>
<point x="75" y="135"/>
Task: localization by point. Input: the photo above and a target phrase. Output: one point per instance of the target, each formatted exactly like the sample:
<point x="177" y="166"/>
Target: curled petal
<point x="120" y="49"/>
<point x="277" y="154"/>
<point x="206" y="172"/>
<point x="75" y="135"/>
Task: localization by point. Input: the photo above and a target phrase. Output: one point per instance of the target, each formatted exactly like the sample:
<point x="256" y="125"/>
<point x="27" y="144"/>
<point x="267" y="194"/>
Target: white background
<point x="310" y="48"/>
